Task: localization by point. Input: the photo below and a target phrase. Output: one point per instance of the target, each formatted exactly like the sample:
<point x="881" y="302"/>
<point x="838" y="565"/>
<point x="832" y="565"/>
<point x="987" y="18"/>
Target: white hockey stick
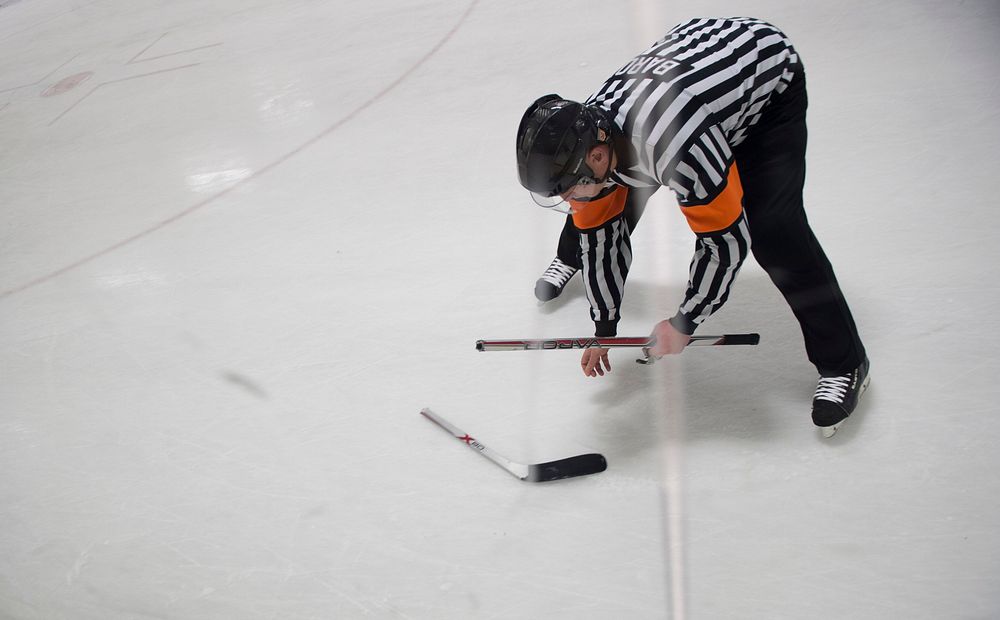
<point x="580" y="465"/>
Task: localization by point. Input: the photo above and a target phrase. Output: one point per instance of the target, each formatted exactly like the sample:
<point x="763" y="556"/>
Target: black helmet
<point x="553" y="140"/>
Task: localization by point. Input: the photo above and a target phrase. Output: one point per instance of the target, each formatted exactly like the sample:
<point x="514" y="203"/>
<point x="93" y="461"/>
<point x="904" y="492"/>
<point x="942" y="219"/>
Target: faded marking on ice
<point x="102" y="84"/>
<point x="136" y="59"/>
<point x="39" y="80"/>
<point x="67" y="84"/>
<point x="74" y="80"/>
<point x="375" y="98"/>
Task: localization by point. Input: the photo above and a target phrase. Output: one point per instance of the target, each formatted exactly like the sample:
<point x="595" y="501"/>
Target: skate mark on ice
<point x="245" y="383"/>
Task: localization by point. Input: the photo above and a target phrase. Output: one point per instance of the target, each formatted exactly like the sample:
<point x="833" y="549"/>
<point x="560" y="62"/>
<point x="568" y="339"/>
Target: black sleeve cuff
<point x="682" y="324"/>
<point x="605" y="329"/>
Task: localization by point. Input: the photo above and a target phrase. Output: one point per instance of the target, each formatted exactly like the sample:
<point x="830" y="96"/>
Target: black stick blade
<point x="750" y="339"/>
<point x="581" y="465"/>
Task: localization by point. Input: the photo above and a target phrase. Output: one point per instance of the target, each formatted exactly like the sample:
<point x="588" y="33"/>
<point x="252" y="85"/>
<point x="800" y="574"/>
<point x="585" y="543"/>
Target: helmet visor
<point x="551" y="203"/>
<point x="557" y="203"/>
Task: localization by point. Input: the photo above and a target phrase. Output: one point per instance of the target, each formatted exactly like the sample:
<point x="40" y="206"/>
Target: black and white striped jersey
<point x="684" y="102"/>
<point x="679" y="108"/>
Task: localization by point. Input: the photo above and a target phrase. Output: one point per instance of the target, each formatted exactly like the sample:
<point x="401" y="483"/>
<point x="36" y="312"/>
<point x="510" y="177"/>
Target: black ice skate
<point x="837" y="397"/>
<point x="551" y="284"/>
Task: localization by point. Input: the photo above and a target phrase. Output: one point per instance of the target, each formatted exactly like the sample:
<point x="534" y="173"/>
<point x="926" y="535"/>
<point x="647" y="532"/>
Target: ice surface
<point x="243" y="244"/>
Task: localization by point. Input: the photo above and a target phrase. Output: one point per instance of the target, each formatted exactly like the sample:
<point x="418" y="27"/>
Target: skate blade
<point x="830" y="431"/>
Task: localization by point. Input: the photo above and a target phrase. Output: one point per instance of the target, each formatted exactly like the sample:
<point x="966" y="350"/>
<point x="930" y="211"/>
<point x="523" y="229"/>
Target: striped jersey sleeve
<point x="606" y="257"/>
<point x="717" y="259"/>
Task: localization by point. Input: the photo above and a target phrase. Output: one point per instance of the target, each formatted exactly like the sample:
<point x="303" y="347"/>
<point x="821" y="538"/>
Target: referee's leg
<point x="772" y="170"/>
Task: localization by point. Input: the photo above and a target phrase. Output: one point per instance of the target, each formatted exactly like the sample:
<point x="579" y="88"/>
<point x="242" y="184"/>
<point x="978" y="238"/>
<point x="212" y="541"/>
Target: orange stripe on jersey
<point x="594" y="213"/>
<point x="722" y="212"/>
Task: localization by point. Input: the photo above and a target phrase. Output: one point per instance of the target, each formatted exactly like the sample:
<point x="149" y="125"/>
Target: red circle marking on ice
<point x="67" y="84"/>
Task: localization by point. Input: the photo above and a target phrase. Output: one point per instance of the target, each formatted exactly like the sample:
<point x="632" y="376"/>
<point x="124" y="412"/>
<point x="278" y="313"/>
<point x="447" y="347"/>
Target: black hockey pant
<point x="772" y="166"/>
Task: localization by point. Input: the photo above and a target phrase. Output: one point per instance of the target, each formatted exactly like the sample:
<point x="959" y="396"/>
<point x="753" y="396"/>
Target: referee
<point x="716" y="112"/>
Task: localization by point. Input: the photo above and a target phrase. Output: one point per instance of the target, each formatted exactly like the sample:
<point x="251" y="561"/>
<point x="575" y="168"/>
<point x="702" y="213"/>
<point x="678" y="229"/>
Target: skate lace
<point x="833" y="389"/>
<point x="558" y="273"/>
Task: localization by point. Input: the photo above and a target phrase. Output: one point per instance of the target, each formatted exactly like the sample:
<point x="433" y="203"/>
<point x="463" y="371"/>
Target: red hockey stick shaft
<point x="641" y="342"/>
